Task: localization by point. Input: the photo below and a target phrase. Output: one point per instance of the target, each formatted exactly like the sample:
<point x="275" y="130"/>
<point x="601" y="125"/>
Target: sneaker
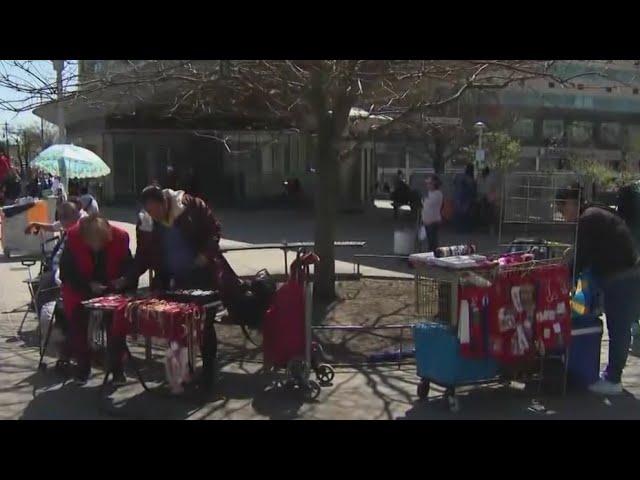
<point x="605" y="387"/>
<point x="119" y="380"/>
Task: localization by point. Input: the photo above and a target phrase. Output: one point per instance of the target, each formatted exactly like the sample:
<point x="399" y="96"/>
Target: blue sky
<point x="44" y="68"/>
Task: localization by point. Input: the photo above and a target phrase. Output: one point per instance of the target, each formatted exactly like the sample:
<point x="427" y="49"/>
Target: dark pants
<point x="432" y="236"/>
<point x="79" y="332"/>
<point x="622" y="308"/>
<point x="463" y="219"/>
<point x="202" y="279"/>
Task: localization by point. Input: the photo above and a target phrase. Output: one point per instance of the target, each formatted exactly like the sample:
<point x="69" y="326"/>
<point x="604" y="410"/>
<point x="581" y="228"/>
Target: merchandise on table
<point x="172" y="321"/>
<point x="200" y="297"/>
<point x="455" y="251"/>
<point x="451" y="262"/>
<point x="109" y="302"/>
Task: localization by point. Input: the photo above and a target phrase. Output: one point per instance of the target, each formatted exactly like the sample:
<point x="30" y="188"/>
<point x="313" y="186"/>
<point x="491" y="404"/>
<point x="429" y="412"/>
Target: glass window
<point x="123" y="165"/>
<point x="633" y="138"/>
<point x="610" y="133"/>
<point x="523" y="128"/>
<point x="553" y="129"/>
<point x="580" y="133"/>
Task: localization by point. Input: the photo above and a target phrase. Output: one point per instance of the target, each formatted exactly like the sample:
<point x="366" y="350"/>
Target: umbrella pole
<point x="64" y="176"/>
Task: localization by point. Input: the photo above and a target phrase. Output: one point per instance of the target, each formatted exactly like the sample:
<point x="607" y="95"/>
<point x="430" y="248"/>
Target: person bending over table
<point x="178" y="239"/>
<point x="605" y="246"/>
<point x="95" y="259"/>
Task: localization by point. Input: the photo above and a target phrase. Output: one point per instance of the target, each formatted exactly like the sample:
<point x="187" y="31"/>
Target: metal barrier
<point x="357" y="264"/>
<point x="287" y="247"/>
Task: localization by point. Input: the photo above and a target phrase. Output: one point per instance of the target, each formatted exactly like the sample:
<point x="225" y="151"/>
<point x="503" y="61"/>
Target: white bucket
<point x="403" y="242"/>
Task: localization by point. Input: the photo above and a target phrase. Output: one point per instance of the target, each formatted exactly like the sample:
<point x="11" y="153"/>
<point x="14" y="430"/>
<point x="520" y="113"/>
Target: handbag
<point x="422" y="233"/>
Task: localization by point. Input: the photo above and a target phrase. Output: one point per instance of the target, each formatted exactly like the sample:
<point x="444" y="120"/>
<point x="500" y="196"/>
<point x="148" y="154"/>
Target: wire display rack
<point x="529" y="209"/>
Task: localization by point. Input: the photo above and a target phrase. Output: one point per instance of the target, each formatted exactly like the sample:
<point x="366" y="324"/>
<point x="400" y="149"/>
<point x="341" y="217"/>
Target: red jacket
<point x="78" y="269"/>
<point x="5" y="166"/>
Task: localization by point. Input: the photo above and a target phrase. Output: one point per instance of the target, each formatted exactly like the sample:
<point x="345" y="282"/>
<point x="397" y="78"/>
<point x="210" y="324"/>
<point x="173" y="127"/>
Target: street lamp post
<point x="58" y="66"/>
<point x="480" y="154"/>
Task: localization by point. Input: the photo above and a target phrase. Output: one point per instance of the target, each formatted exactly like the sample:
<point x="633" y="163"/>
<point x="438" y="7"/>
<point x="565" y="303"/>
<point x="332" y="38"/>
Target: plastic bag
<point x="422" y="233"/>
<point x="176" y="367"/>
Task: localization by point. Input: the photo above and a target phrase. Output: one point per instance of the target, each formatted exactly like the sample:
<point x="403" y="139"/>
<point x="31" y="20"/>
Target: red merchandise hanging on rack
<point x="553" y="313"/>
<point x="472" y="321"/>
<point x="512" y="316"/>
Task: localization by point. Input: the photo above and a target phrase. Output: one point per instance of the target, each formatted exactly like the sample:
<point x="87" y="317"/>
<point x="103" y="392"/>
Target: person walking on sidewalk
<point x="606" y="247"/>
<point x="431" y="208"/>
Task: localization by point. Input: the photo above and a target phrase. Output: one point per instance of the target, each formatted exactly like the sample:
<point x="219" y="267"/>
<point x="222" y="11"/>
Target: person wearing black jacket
<point x="606" y="247"/>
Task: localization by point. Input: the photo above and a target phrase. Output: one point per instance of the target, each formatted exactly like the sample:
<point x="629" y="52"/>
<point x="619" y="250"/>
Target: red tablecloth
<point x="152" y="317"/>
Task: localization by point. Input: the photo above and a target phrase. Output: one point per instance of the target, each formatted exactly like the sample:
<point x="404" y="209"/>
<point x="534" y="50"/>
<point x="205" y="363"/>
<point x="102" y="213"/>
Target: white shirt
<point x="431" y="207"/>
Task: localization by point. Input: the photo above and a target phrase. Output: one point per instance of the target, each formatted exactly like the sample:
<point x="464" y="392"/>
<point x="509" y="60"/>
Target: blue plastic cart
<point x="439" y="362"/>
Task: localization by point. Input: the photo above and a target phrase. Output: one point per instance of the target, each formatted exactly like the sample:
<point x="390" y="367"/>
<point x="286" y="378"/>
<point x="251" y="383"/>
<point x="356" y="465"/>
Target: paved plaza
<point x="356" y="393"/>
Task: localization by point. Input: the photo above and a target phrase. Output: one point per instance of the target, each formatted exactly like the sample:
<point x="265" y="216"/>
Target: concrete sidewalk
<point x="357" y="393"/>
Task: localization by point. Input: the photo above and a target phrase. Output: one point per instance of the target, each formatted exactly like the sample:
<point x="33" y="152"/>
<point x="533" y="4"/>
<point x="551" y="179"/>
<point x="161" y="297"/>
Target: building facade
<point x="594" y="115"/>
<point x="224" y="165"/>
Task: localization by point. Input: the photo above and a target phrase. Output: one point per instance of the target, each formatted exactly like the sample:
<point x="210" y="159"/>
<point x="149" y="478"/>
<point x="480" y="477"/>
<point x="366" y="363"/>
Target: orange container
<point x="38" y="213"/>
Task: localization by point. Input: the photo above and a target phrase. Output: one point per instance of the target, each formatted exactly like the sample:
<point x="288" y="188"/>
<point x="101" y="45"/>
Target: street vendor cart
<point x="500" y="317"/>
<point x="489" y="320"/>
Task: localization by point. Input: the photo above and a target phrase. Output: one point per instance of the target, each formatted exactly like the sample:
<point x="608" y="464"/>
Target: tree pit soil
<point x="365" y="305"/>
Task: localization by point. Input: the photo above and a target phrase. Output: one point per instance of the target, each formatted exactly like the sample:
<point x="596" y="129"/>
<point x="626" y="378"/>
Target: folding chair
<point x="33" y="283"/>
<point x="57" y="317"/>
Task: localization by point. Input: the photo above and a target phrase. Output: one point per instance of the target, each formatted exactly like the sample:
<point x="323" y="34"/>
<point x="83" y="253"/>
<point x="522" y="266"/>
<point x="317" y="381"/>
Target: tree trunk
<point x="438" y="155"/>
<point x="326" y="213"/>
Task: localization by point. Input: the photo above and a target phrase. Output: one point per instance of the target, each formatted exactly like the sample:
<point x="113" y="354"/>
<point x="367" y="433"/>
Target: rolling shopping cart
<point x="287" y="339"/>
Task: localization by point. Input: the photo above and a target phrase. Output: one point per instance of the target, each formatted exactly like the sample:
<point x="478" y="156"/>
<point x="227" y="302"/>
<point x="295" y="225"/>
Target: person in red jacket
<point x="95" y="259"/>
<point x="5" y="166"/>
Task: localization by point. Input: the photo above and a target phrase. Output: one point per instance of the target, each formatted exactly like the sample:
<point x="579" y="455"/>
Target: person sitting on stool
<point x="94" y="262"/>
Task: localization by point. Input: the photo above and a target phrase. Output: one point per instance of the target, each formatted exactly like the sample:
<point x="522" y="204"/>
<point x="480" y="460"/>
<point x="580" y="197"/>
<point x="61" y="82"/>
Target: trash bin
<point x="404" y="241"/>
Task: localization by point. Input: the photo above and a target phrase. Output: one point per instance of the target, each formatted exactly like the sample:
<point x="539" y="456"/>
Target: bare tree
<point x="316" y="96"/>
<point x="30" y="139"/>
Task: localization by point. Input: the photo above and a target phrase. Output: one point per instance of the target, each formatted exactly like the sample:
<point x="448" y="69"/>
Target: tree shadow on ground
<point x="55" y="399"/>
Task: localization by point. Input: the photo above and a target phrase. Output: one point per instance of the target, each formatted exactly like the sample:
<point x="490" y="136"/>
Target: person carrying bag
<point x="431" y="214"/>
